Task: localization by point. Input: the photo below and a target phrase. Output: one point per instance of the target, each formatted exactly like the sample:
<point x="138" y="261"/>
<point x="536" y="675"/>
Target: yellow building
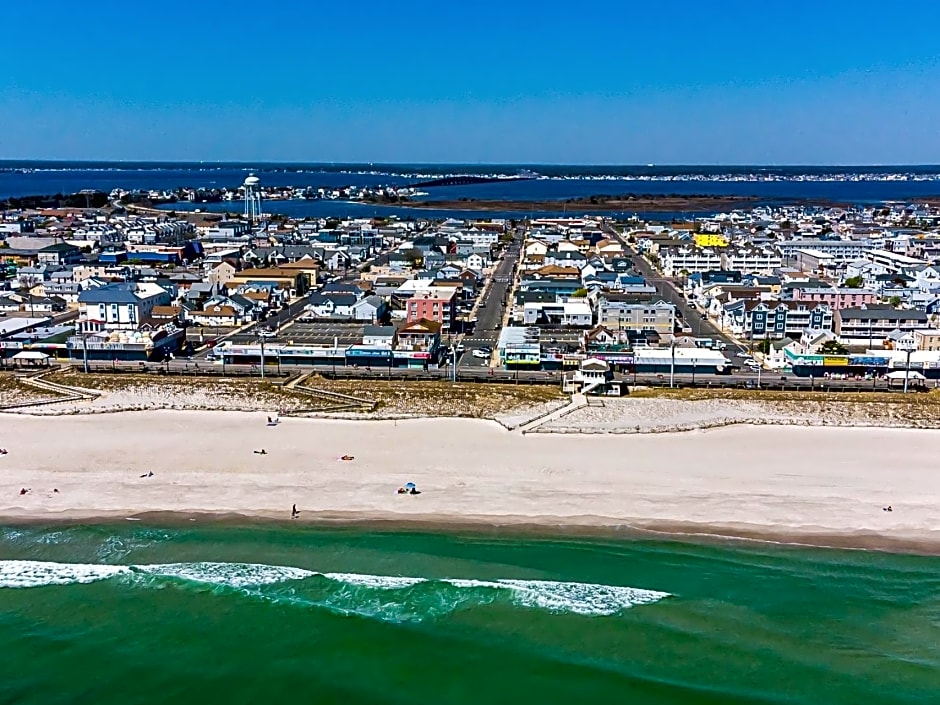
<point x="710" y="240"/>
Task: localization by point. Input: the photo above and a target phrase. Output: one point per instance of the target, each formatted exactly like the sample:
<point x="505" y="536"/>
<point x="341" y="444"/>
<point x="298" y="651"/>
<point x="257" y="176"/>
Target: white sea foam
<point x="552" y="596"/>
<point x="26" y="574"/>
<point x="237" y="575"/>
<point x="579" y="598"/>
<point x="378" y="582"/>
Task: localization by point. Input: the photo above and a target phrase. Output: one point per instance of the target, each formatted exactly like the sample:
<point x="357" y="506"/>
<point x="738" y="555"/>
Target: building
<point x="839" y="250"/>
<point x="294" y="283"/>
<point x="751" y="260"/>
<point x="774" y="320"/>
<point x="519" y="348"/>
<point x="436" y="304"/>
<point x="331" y="304"/>
<point x="59" y="254"/>
<point x="119" y="306"/>
<point x="370" y="308"/>
<point x="895" y="263"/>
<point x="418" y="342"/>
<point x="834" y="298"/>
<point x="688" y="260"/>
<point x="927" y="339"/>
<point x="593" y="377"/>
<point x="870" y="326"/>
<point x="379" y="336"/>
<point x="626" y="312"/>
<point x="573" y="313"/>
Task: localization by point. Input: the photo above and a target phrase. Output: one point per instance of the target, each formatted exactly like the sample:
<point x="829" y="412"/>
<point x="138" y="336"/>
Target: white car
<point x="480" y="354"/>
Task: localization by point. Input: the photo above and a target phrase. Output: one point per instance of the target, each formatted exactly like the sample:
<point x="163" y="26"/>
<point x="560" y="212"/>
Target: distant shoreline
<point x="647" y="203"/>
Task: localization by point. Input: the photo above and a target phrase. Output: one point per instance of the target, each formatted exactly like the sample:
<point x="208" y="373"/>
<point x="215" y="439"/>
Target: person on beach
<point x="261" y="452"/>
<point x="294" y="513"/>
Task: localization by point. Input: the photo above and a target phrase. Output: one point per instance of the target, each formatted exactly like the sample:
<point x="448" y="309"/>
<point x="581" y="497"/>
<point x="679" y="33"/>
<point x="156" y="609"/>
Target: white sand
<point x="781" y="481"/>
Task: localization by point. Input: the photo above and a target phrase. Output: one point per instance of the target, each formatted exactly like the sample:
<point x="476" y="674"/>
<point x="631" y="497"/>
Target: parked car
<point x="480" y="354"/>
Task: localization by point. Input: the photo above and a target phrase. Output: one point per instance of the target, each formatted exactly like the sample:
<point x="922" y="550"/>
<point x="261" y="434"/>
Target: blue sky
<point x="668" y="82"/>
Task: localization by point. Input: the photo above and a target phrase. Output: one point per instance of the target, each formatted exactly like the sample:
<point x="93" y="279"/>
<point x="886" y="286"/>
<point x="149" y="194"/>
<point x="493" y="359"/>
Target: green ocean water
<point x="212" y="613"/>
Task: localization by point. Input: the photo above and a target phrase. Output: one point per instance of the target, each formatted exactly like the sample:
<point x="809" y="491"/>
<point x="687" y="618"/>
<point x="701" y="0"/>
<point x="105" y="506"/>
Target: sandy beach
<point x="821" y="485"/>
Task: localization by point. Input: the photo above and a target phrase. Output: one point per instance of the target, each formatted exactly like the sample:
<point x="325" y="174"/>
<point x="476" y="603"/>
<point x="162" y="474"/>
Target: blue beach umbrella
<point x="410" y="486"/>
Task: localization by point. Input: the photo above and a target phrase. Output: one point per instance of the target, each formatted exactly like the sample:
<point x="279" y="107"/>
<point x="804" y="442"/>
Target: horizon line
<point x="650" y="165"/>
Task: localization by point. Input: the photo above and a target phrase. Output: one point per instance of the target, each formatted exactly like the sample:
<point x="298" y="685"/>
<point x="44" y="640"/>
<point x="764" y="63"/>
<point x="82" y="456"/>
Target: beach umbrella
<point x="410" y="486"/>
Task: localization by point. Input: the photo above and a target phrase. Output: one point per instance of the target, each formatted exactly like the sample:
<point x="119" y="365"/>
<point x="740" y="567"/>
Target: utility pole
<point x="672" y="365"/>
<point x="907" y="346"/>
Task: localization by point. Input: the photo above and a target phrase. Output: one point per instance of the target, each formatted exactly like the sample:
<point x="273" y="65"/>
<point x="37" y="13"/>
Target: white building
<point x="751" y="261"/>
<point x="674" y="261"/>
<point x="118" y="306"/>
<point x="571" y="313"/>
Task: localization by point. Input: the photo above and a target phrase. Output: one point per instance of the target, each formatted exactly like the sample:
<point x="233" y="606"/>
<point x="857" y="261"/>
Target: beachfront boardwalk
<point x="577" y="401"/>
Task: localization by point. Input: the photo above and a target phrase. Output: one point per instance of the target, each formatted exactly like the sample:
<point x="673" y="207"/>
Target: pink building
<point x="836" y="298"/>
<point x="437" y="306"/>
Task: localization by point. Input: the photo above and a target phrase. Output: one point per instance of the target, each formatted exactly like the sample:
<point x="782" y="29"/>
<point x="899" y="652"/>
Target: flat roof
<point x="13" y="325"/>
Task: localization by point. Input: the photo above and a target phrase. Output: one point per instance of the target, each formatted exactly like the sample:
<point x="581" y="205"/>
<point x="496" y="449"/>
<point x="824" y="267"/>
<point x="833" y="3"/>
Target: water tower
<point x="252" y="188"/>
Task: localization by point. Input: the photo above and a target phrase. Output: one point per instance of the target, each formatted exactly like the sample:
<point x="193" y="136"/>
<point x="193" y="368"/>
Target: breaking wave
<point x="385" y="597"/>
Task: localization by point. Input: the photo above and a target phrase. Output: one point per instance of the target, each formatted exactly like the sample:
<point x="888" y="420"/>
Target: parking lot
<point x="321" y="333"/>
<point x="565" y="339"/>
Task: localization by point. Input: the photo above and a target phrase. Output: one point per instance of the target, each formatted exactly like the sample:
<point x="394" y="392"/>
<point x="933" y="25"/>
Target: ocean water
<point x="267" y="613"/>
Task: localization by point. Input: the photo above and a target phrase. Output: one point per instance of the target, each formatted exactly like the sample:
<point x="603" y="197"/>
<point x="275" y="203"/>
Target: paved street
<point x="492" y="307"/>
<point x="701" y="328"/>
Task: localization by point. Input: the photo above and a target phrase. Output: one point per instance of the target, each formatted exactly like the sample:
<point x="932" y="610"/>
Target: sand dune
<point x="813" y="483"/>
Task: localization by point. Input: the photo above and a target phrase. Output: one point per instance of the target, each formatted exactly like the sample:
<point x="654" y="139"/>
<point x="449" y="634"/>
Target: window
<point x="114" y="313"/>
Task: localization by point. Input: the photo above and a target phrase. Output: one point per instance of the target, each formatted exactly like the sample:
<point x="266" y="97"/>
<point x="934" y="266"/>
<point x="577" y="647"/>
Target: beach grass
<point x="12" y="390"/>
<point x="434" y="398"/>
<point x="916" y="410"/>
<point x="387" y="398"/>
<point x="931" y="398"/>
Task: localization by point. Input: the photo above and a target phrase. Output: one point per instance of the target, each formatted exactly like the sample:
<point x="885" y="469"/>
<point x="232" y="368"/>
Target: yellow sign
<point x="835" y="360"/>
<point x="710" y="240"/>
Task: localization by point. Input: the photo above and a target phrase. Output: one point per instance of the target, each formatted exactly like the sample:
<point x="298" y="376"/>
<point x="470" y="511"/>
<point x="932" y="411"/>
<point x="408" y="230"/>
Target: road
<point x="492" y="306"/>
<point x="701" y="328"/>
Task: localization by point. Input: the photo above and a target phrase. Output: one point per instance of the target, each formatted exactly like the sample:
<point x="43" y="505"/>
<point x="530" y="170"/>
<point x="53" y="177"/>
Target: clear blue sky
<point x="663" y="81"/>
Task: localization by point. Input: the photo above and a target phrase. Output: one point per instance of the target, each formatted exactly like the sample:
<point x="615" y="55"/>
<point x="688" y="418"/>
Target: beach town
<point x="556" y="336"/>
